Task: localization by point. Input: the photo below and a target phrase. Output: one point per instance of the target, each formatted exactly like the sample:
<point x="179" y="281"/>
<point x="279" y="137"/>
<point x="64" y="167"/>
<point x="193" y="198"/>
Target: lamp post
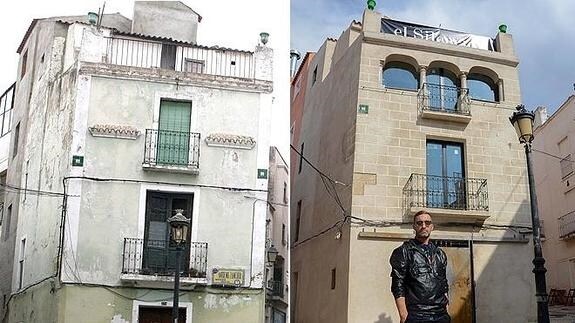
<point x="522" y="121"/>
<point x="179" y="225"/>
<point x="272" y="254"/>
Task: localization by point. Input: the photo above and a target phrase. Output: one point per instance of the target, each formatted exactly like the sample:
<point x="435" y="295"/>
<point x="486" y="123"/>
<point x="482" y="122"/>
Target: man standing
<point x="418" y="279"/>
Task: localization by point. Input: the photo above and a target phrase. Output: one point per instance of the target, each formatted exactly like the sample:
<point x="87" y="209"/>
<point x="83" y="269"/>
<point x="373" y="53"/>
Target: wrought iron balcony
<point x="276" y="288"/>
<point x="180" y="57"/>
<point x="169" y="149"/>
<point x="157" y="257"/>
<point x="445" y="100"/>
<point x="456" y="193"/>
<point x="567" y="226"/>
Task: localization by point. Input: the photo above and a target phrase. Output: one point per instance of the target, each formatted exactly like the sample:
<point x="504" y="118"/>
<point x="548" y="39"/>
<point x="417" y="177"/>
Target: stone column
<point x="500" y="90"/>
<point x="462" y="102"/>
<point x="423" y="97"/>
<point x="422" y="76"/>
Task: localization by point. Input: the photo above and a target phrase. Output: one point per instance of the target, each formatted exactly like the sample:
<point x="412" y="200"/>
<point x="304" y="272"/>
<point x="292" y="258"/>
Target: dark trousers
<point x="428" y="318"/>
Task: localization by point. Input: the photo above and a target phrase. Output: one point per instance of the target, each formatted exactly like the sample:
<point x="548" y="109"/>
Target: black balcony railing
<point x="567" y="226"/>
<point x="443" y="98"/>
<point x="157" y="257"/>
<point x="276" y="288"/>
<point x="180" y="57"/>
<point x="172" y="148"/>
<point x="446" y="192"/>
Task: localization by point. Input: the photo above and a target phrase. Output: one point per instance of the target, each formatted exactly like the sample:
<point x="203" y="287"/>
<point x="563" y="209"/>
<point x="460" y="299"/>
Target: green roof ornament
<point x="503" y="28"/>
<point x="370" y="4"/>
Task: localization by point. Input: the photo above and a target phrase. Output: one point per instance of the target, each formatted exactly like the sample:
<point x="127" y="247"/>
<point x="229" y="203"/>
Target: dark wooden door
<point x="159" y="250"/>
<point x="459" y="275"/>
<point x="168" y="60"/>
<point x="160" y="315"/>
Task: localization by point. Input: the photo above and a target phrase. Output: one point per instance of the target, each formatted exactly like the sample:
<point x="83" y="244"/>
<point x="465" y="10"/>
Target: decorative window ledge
<point x="230" y="141"/>
<point x="114" y="131"/>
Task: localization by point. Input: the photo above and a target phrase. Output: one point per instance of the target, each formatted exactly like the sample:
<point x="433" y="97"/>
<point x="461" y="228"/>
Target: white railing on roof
<point x="180" y="57"/>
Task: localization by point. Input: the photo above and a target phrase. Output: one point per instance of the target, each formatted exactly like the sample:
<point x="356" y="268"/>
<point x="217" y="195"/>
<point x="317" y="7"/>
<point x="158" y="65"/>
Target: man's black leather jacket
<point x="420" y="279"/>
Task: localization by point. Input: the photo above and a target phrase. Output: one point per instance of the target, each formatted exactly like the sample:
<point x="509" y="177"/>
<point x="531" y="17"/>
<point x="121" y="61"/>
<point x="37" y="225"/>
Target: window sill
<point x="399" y="90"/>
<point x="172" y="169"/>
<point x="446" y="116"/>
<point x="441" y="215"/>
<point x="155" y="281"/>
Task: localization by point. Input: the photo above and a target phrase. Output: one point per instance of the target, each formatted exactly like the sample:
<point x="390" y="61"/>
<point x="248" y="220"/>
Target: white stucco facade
<point x="87" y="137"/>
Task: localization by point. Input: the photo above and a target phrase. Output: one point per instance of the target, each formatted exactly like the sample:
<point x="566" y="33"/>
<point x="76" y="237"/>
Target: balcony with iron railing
<point x="275" y="288"/>
<point x="181" y="57"/>
<point x="442" y="102"/>
<point x="567" y="226"/>
<point x="153" y="262"/>
<point x="172" y="151"/>
<point x="456" y="198"/>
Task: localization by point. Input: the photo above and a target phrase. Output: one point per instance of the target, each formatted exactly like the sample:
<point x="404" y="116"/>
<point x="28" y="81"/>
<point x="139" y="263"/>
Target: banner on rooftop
<point x="400" y="28"/>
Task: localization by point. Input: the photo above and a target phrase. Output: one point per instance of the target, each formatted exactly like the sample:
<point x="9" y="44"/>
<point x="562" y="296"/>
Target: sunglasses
<point x="420" y="223"/>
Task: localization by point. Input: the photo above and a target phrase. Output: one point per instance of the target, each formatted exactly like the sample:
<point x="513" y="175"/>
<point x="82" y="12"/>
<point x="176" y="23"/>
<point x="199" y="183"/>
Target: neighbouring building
<point x="119" y="125"/>
<point x="553" y="164"/>
<point x="297" y="95"/>
<point x="400" y="117"/>
<point x="7" y="226"/>
<point x="277" y="233"/>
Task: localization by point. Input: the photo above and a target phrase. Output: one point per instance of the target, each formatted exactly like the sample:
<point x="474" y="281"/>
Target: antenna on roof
<point x="101" y="15"/>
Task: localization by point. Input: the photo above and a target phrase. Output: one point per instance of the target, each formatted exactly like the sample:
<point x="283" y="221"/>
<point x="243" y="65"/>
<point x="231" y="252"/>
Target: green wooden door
<point x="174" y="133"/>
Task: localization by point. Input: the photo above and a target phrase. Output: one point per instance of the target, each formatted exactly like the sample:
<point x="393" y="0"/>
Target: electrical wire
<point x="137" y="181"/>
<point x="551" y="155"/>
<point x="315" y="168"/>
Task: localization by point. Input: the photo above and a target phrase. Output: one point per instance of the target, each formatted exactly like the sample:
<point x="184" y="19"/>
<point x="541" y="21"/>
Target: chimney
<point x="540" y="116"/>
<point x="169" y="19"/>
<point x="294" y="57"/>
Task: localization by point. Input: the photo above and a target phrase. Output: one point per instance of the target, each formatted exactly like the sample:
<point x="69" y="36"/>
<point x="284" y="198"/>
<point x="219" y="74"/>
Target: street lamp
<point x="522" y="121"/>
<point x="272" y="254"/>
<point x="179" y="225"/>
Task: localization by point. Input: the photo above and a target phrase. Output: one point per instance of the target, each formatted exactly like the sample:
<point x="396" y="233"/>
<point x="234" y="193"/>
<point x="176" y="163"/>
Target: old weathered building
<point x="120" y="125"/>
<point x="554" y="165"/>
<point x="7" y="219"/>
<point x="400" y="117"/>
<point x="277" y="233"/>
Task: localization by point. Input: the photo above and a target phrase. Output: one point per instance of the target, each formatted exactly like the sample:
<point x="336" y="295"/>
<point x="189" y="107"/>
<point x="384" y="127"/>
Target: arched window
<point x="482" y="88"/>
<point x="443" y="89"/>
<point x="398" y="75"/>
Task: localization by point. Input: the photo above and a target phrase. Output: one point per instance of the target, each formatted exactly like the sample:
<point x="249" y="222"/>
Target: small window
<point x="482" y="88"/>
<point x="195" y="66"/>
<point x="333" y="277"/>
<point x="398" y="75"/>
<point x="16" y="135"/>
<point x="285" y="192"/>
<point x="314" y="76"/>
<point x="6" y="223"/>
<point x="284" y="235"/>
<point x="566" y="166"/>
<point x="24" y="61"/>
<point x="300" y="159"/>
<point x="21" y="262"/>
<point x="297" y="220"/>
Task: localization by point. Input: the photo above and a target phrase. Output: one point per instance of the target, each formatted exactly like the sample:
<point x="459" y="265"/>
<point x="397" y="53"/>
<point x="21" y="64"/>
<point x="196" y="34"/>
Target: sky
<point x="542" y="33"/>
<point x="227" y="23"/>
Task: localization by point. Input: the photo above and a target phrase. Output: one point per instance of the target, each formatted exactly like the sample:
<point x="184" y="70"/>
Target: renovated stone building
<point x="554" y="164"/>
<point x="400" y="117"/>
<point x="120" y="125"/>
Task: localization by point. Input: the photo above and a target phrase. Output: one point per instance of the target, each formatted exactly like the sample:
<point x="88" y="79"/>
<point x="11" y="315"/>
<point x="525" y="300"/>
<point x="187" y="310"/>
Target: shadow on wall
<point x="383" y="318"/>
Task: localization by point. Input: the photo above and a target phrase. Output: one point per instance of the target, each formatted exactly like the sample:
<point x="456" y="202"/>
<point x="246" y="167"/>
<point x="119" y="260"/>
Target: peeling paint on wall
<point x="118" y="319"/>
<point x="225" y="302"/>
